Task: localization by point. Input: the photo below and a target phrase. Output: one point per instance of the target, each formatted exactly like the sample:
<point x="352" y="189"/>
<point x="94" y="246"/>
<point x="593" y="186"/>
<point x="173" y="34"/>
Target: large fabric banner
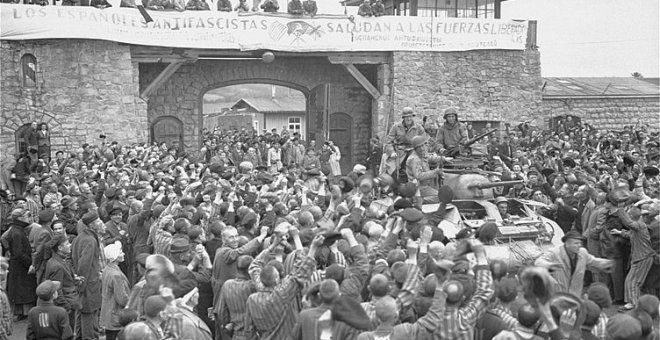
<point x="272" y="31"/>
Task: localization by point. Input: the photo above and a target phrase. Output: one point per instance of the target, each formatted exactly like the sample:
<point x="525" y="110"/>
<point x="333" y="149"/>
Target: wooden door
<point x="317" y="114"/>
<point x="341" y="133"/>
<point x="167" y="129"/>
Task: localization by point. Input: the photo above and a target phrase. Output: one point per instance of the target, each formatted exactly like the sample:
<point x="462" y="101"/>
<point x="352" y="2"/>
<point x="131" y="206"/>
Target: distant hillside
<point x="230" y="94"/>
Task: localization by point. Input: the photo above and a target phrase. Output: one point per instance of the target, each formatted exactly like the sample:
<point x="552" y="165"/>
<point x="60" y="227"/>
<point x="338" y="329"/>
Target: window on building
<point x="255" y="125"/>
<point x="29" y="70"/>
<point x="295" y="124"/>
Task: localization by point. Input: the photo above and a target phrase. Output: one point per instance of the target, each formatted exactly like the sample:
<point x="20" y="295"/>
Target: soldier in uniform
<point x="401" y="135"/>
<point x="417" y="170"/>
<point x="452" y="134"/>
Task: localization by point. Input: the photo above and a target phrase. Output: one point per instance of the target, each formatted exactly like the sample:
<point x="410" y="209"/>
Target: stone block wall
<point x="492" y="85"/>
<point x="606" y="113"/>
<point x="83" y="88"/>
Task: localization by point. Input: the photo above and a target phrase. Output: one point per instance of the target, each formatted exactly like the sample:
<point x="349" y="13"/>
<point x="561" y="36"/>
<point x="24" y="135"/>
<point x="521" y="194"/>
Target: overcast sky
<point x="593" y="38"/>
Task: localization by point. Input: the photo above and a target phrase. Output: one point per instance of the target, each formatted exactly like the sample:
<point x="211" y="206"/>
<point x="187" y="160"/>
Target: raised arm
<point x="358" y="271"/>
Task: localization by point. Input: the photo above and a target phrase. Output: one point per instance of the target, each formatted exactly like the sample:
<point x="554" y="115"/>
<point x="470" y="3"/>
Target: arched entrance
<point x="341" y="133"/>
<point x="167" y="129"/>
<point x="330" y="85"/>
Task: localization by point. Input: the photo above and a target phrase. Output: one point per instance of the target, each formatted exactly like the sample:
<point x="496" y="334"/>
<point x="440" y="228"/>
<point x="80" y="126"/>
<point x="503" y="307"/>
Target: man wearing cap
<point x="47" y="321"/>
<point x="58" y="269"/>
<point x="401" y="134"/>
<point x="193" y="265"/>
<point x="452" y="134"/>
<point x="568" y="262"/>
<point x="116" y="230"/>
<point x="88" y="260"/>
<point x="40" y="234"/>
<point x="417" y="170"/>
<point x="20" y="284"/>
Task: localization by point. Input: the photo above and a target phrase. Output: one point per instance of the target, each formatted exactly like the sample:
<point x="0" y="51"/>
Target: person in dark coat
<point x="43" y="141"/>
<point x="88" y="260"/>
<point x="310" y="9"/>
<point x="20" y="284"/>
<point x="39" y="237"/>
<point x="31" y="139"/>
<point x="59" y="269"/>
<point x="116" y="230"/>
<point x="295" y="7"/>
<point x="47" y="321"/>
<point x="20" y="174"/>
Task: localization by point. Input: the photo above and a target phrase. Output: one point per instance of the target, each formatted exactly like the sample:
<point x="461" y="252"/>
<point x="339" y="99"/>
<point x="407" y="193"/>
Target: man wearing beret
<point x="568" y="262"/>
<point x="88" y="260"/>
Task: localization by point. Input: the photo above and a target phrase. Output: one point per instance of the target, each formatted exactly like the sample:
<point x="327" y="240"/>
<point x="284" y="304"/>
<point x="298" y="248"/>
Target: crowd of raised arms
<point x="264" y="236"/>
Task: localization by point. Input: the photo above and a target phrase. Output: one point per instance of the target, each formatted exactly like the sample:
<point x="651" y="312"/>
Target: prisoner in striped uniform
<point x="641" y="253"/>
<point x="269" y="314"/>
<point x="233" y="298"/>
<point x="458" y="322"/>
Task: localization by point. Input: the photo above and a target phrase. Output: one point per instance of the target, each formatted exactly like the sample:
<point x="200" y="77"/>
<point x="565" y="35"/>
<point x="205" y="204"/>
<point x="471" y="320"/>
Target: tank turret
<point x="466" y="185"/>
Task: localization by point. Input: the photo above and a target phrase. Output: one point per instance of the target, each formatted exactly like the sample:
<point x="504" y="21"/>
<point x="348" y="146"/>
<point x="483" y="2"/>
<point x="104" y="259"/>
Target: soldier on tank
<point x="417" y="170"/>
<point x="452" y="134"/>
<point x="401" y="134"/>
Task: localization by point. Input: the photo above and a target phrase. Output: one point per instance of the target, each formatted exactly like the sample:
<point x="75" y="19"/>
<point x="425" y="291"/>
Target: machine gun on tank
<point x="465" y="147"/>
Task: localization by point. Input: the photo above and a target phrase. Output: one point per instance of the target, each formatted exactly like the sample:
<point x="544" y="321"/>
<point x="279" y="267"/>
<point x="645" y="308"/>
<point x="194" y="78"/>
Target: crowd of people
<point x="263" y="236"/>
<point x="294" y="7"/>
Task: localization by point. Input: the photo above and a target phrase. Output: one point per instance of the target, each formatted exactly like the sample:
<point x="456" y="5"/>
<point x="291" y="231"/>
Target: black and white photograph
<point x="329" y="170"/>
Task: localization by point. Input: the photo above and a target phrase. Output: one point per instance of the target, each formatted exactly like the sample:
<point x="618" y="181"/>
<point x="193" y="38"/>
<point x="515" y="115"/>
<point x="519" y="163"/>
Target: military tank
<point x="519" y="238"/>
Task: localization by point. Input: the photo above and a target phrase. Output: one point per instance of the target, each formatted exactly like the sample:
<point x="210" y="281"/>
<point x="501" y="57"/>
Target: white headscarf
<point x="112" y="251"/>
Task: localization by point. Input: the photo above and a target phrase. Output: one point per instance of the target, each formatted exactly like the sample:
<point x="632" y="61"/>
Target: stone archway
<point x="181" y="95"/>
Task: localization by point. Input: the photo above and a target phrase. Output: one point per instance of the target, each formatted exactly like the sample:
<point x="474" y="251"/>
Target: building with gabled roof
<point x="606" y="103"/>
